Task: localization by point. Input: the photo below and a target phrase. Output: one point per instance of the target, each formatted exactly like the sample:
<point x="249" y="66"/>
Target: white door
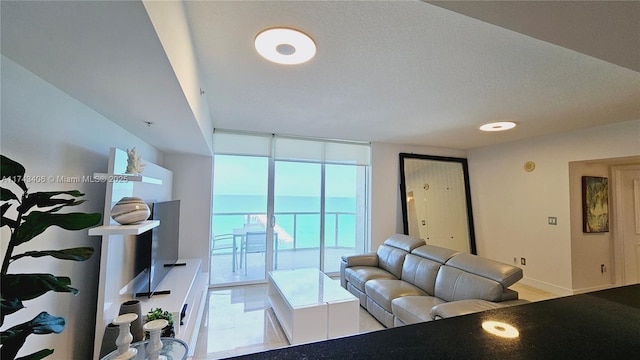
<point x="630" y="217"/>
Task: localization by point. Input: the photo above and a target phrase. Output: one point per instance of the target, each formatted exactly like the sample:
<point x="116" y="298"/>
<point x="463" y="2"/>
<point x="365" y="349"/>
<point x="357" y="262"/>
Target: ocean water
<point x="297" y="218"/>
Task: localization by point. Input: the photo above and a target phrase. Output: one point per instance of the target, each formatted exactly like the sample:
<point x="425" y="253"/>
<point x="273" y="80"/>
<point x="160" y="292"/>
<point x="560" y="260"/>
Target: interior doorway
<point x="626" y="194"/>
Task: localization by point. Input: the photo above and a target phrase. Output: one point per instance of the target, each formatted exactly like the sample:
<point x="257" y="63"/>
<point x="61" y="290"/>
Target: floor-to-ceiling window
<point x="344" y="214"/>
<point x="284" y="203"/>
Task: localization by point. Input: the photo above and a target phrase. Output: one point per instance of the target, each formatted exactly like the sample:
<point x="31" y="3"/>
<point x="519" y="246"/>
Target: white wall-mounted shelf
<point x="134" y="229"/>
<point x="125" y="178"/>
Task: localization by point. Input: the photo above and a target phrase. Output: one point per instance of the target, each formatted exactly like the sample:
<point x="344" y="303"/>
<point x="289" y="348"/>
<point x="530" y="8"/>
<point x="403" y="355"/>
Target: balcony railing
<point x="296" y="230"/>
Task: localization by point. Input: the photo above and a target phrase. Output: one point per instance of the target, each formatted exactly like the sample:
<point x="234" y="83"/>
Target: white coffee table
<point x="310" y="306"/>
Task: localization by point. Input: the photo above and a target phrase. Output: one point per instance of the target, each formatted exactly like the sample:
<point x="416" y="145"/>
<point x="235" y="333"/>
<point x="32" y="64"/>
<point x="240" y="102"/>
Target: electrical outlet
<point x="603" y="269"/>
<point x="515" y="260"/>
<point x="523" y="261"/>
<point x="553" y="220"/>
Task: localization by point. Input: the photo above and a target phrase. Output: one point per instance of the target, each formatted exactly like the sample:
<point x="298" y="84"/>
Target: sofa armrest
<point x="509" y="294"/>
<point x="461" y="307"/>
<point x="370" y="259"/>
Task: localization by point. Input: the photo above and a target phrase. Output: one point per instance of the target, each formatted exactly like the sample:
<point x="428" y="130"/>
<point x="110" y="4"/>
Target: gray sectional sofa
<point x="407" y="281"/>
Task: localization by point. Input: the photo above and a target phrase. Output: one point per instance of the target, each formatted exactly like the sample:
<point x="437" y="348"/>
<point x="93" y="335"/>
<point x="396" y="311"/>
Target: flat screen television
<point x="157" y="250"/>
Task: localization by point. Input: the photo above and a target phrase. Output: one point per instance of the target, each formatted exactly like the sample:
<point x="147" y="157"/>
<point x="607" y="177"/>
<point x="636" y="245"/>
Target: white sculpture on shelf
<point x="124" y="337"/>
<point x="134" y="162"/>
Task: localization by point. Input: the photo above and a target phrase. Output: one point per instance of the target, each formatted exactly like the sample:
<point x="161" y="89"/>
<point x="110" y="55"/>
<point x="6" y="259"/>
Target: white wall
<point x="386" y="213"/>
<point x="193" y="186"/>
<point x="170" y="23"/>
<point x="589" y="251"/>
<point x="511" y="206"/>
<point x="51" y="133"/>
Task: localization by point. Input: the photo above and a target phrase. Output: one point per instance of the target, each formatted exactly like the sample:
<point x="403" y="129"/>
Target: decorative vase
<point x="130" y="210"/>
<point x="134" y="307"/>
<point x="111" y="332"/>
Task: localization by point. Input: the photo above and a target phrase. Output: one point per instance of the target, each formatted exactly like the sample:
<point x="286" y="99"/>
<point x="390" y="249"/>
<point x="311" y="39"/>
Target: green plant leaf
<point x="37" y="355"/>
<point x="8" y="222"/>
<point x="5" y="220"/>
<point x="13" y="338"/>
<point x="75" y="254"/>
<point x="158" y="313"/>
<point x="37" y="222"/>
<point x="30" y="286"/>
<point x="6" y="195"/>
<point x="57" y="208"/>
<point x="45" y="199"/>
<point x="13" y="170"/>
<point x="47" y="324"/>
<point x="9" y="306"/>
<point x="4" y="207"/>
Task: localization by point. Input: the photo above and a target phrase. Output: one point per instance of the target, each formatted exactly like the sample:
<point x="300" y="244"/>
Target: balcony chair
<point x="256" y="242"/>
<point x="224" y="242"/>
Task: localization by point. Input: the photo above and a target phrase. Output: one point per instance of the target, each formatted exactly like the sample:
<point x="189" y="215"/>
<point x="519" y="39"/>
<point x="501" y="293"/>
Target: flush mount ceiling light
<point x="285" y="46"/>
<point x="498" y="126"/>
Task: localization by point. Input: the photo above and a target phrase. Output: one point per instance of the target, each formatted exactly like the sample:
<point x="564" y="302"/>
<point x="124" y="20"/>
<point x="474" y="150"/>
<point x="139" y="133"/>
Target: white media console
<point x="187" y="285"/>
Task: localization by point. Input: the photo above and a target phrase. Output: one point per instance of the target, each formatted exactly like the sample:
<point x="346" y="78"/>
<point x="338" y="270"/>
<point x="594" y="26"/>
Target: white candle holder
<point x="124" y="337"/>
<point x="155" y="345"/>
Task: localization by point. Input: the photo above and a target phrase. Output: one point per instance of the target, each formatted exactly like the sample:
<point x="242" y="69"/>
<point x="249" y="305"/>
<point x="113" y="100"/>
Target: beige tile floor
<point x="238" y="320"/>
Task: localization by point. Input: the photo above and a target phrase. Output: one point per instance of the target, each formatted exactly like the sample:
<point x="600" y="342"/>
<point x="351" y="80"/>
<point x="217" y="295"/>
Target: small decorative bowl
<point x="130" y="210"/>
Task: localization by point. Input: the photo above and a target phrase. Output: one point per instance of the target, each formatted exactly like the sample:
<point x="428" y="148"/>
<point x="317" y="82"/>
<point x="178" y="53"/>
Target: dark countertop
<point x="598" y="325"/>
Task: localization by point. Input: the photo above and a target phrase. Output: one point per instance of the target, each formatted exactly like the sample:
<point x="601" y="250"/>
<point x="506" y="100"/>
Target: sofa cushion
<point x="454" y="284"/>
<point x="462" y="307"/>
<point x="383" y="291"/>
<point x="420" y="272"/>
<point x="414" y="309"/>
<point x="404" y="242"/>
<point x="359" y="275"/>
<point x="383" y="316"/>
<point x="392" y="252"/>
<point x="435" y="253"/>
<point x="359" y="294"/>
<point x="391" y="259"/>
<point x="503" y="273"/>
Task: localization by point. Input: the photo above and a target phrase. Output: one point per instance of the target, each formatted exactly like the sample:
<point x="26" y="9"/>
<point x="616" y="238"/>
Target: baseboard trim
<point x="593" y="288"/>
<point x="554" y="289"/>
<point x="561" y="291"/>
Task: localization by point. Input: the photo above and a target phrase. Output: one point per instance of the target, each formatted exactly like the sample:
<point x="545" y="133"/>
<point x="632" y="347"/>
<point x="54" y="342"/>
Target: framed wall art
<point x="595" y="204"/>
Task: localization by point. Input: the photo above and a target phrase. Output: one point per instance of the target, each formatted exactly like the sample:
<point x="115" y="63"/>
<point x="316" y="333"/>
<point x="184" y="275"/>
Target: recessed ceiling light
<point x="285" y="46"/>
<point x="498" y="126"/>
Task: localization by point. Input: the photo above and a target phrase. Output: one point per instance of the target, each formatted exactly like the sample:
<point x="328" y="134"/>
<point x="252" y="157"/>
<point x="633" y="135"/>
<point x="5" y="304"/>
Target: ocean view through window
<point x="313" y="211"/>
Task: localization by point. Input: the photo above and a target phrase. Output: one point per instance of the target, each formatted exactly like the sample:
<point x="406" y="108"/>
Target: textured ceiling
<point x="402" y="72"/>
<point x="390" y="71"/>
<point x="603" y="29"/>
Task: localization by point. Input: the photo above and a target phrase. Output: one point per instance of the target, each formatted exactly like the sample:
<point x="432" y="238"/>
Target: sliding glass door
<point x="297" y="211"/>
<point x="240" y="203"/>
<point x="344" y="213"/>
<point x="285" y="203"/>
